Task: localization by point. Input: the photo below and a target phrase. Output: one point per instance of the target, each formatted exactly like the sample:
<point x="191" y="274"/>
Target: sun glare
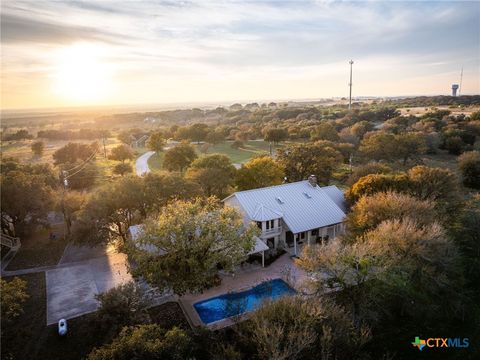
<point x="81" y="74"/>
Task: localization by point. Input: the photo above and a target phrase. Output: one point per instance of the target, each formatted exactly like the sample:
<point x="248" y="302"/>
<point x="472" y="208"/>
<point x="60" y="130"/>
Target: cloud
<point x="228" y="44"/>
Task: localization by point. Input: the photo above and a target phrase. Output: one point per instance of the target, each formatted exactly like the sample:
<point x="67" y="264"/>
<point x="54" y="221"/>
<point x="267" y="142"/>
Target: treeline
<point x="82" y="134"/>
<point x="428" y="101"/>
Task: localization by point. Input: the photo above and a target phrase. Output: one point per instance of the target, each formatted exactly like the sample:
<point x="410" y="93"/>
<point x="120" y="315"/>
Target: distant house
<point x="294" y="214"/>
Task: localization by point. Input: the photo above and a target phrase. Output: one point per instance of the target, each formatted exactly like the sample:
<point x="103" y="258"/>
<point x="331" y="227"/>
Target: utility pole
<point x="350" y="84"/>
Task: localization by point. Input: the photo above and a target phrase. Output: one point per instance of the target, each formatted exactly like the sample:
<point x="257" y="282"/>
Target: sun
<point x="81" y="74"/>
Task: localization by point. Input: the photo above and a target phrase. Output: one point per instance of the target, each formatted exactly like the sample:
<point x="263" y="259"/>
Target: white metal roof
<point x="301" y="206"/>
<point x="136" y="232"/>
<point x="336" y="195"/>
<point x="259" y="246"/>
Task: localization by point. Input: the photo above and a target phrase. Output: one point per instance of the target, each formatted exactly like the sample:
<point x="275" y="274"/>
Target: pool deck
<point x="243" y="279"/>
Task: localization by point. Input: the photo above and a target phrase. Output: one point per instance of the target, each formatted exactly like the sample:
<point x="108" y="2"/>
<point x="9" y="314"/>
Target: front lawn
<point x="39" y="250"/>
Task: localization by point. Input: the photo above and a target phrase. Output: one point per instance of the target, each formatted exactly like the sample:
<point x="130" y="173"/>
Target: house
<point x="294" y="214"/>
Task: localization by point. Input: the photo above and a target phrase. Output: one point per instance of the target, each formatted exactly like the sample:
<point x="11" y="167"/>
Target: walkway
<point x="244" y="279"/>
<point x="141" y="165"/>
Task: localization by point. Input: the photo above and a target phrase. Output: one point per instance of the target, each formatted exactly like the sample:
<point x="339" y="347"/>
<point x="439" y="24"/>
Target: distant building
<point x="454" y="89"/>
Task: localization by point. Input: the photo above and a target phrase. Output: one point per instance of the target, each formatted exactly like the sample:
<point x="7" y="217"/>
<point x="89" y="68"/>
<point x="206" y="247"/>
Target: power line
<point x="88" y="159"/>
<point x="84" y="164"/>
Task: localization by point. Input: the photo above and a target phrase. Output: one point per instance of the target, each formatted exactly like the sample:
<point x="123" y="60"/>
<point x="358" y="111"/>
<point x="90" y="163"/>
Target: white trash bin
<point x="62" y="327"/>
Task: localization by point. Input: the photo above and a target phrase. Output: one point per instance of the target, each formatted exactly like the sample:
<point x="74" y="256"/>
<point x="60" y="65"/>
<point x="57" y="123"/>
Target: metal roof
<point x="259" y="246"/>
<point x="336" y="195"/>
<point x="301" y="206"/>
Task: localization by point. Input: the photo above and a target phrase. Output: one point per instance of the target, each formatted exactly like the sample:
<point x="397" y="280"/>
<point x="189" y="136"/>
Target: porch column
<point x="295" y="244"/>
<point x="263" y="258"/>
<point x="334" y="226"/>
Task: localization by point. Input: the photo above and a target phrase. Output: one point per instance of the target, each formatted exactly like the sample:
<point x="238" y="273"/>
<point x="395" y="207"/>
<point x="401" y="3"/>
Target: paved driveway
<point x="141" y="165"/>
<point x="71" y="289"/>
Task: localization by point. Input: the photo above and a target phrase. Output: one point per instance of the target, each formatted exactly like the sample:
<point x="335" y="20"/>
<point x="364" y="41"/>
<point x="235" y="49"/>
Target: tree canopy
<point x="194" y="240"/>
<point x="259" y="172"/>
<point x="179" y="157"/>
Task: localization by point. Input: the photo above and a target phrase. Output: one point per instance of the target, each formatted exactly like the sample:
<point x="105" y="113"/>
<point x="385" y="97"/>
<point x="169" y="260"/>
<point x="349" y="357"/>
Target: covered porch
<point x="259" y="248"/>
<point x="296" y="241"/>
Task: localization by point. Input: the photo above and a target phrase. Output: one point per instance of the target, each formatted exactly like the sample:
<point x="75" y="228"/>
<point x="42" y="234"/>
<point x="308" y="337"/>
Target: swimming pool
<point x="228" y="305"/>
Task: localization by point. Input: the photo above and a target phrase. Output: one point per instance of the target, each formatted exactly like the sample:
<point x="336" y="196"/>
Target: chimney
<point x="312" y="179"/>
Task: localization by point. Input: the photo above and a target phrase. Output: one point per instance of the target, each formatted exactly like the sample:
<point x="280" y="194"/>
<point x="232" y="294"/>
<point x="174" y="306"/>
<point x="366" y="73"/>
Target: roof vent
<point x="279" y="200"/>
<point x="307" y="195"/>
<point x="312" y="179"/>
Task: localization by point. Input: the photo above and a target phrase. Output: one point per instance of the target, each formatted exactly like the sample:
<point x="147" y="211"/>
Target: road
<point x="141" y="165"/>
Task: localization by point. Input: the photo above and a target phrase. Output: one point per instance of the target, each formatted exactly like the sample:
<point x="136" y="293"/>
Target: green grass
<point x="250" y="149"/>
<point x="155" y="161"/>
<point x="39" y="250"/>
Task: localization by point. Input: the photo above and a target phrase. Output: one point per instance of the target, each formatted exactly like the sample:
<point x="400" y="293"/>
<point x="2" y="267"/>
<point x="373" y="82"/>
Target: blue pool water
<point x="227" y="305"/>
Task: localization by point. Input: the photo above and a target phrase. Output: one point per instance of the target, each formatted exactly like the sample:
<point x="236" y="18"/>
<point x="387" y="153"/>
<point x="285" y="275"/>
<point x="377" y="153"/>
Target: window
<point x="302" y="235"/>
<point x="259" y="224"/>
<point x="270" y="224"/>
<point x="271" y="243"/>
<point x="315" y="232"/>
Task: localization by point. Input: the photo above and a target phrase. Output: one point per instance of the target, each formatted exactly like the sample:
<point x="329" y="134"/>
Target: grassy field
<point x="21" y="149"/>
<point x="237" y="156"/>
<point x="39" y="250"/>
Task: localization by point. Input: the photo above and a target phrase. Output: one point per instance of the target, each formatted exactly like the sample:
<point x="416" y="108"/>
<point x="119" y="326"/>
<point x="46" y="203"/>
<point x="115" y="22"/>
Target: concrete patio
<point x="71" y="289"/>
<point x="244" y="279"/>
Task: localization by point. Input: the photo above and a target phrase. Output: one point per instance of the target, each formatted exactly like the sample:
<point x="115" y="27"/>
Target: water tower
<point x="454" y="89"/>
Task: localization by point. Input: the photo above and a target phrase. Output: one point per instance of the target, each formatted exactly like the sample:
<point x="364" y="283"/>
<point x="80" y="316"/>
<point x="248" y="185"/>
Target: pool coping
<point x="244" y="313"/>
<point x="283" y="268"/>
<point x="195" y="320"/>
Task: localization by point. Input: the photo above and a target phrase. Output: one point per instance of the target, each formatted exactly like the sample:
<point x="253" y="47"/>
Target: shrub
<point x="123" y="305"/>
<point x="469" y="164"/>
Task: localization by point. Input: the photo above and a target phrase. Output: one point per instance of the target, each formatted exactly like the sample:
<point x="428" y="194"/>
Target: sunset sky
<point x="70" y="53"/>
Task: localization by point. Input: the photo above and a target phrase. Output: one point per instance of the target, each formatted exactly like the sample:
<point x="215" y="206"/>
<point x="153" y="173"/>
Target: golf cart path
<point x="141" y="165"/>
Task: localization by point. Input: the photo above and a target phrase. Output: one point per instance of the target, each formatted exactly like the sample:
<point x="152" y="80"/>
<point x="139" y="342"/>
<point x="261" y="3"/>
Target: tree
<point x="156" y="141"/>
<point x="122" y="169"/>
<point x="398" y="263"/>
<point x="374" y="183"/>
<point x="146" y="342"/>
<point x="371" y="210"/>
<point x="469" y="165"/>
<point x="72" y="152"/>
<point x="303" y="160"/>
<point x="14" y="295"/>
<point x="293" y="327"/>
<point x="80" y="175"/>
<point x="110" y="211"/>
<point x="215" y="136"/>
<point x="439" y="185"/>
<point x="325" y="131"/>
<point x="163" y="187"/>
<point x="198" y="132"/>
<point x="275" y="135"/>
<point x="259" y="172"/>
<point x="378" y="146"/>
<point x="69" y="204"/>
<point x="121" y="153"/>
<point x="38" y="147"/>
<point x="214" y="173"/>
<point x="366" y="169"/>
<point x="124" y="305"/>
<point x="26" y="200"/>
<point x="179" y="157"/>
<point x="409" y="145"/>
<point x="195" y="239"/>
